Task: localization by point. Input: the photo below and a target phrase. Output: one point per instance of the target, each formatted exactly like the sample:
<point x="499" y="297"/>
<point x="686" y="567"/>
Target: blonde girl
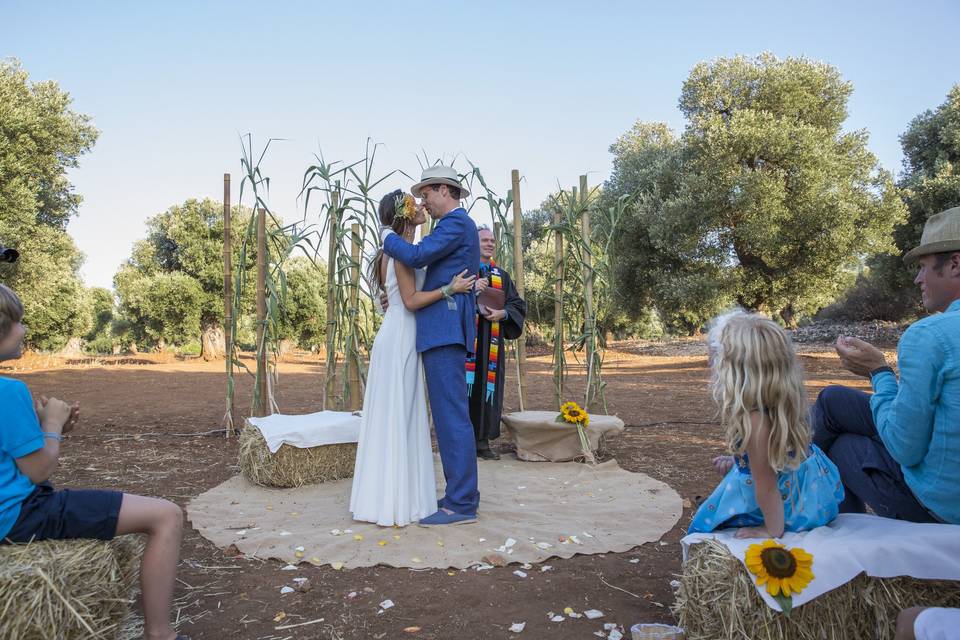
<point x="776" y="480"/>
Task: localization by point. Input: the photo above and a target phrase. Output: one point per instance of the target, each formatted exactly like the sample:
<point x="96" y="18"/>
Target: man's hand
<point x="493" y="315"/>
<point x="859" y="357"/>
<point x="481" y="284"/>
<point x="73" y="419"/>
<point x="384" y="301"/>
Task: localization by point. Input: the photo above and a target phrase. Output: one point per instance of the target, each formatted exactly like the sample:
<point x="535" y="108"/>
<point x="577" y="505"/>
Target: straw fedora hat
<point x="940" y="233"/>
<point x="439" y="174"/>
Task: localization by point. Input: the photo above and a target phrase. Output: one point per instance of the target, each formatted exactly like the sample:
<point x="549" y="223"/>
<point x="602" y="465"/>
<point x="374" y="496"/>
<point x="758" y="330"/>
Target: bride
<point x="393" y="479"/>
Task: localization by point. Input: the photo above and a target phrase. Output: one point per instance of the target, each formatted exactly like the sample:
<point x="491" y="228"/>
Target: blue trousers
<point x="447" y="386"/>
<point x="843" y="428"/>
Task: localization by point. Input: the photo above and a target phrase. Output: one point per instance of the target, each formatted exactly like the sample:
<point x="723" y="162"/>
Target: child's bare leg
<point x="162" y="521"/>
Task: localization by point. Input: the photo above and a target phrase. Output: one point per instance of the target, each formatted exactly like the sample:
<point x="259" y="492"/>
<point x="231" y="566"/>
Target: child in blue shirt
<point x="31" y="509"/>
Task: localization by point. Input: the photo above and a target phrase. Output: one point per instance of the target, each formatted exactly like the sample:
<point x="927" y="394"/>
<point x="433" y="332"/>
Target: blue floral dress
<point x="811" y="493"/>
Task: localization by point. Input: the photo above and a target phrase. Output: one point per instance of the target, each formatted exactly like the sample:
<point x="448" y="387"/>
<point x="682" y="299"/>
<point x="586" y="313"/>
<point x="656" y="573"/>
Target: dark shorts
<point x="64" y="514"/>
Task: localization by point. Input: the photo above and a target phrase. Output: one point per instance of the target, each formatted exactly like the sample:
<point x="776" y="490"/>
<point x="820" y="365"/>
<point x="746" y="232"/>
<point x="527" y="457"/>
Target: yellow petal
<point x="337" y="566"/>
<point x="773" y="586"/>
<point x="357" y="537"/>
<point x="382" y="543"/>
<point x="298" y="554"/>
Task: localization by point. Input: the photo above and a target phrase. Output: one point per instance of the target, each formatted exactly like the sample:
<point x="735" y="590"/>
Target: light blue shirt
<point x="20" y="435"/>
<point x="918" y="418"/>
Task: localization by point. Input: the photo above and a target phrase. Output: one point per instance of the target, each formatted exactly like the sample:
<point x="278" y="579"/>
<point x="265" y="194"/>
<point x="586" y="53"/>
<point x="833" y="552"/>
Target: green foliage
<point x="305" y="308"/>
<point x="186" y="241"/>
<point x="930" y="184"/>
<point x="763" y="201"/>
<point x="100" y="338"/>
<point x="40" y="139"/>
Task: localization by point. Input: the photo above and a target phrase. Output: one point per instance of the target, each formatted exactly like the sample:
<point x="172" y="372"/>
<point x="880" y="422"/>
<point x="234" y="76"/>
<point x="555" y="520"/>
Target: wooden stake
<point x="519" y="280"/>
<point x="558" y="307"/>
<point x="353" y="357"/>
<point x="228" y="300"/>
<point x="260" y="406"/>
<point x="589" y="322"/>
<point x="331" y="301"/>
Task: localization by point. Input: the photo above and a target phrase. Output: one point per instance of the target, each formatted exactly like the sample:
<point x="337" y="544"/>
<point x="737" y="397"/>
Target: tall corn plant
<point x="345" y="193"/>
<point x="572" y="206"/>
<point x="281" y="241"/>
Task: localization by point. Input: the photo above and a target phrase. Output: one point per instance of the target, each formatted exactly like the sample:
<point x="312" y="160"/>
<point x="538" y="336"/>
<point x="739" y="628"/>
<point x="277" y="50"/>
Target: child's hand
<point x="723" y="464"/>
<point x="53" y="413"/>
<point x="753" y="532"/>
<point x="73" y="419"/>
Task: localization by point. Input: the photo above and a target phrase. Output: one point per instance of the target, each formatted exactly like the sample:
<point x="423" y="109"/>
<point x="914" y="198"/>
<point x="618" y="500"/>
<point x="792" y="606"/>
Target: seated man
<point x="30" y="508"/>
<point x="898" y="450"/>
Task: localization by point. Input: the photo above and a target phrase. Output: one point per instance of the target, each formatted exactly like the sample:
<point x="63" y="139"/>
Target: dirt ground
<point x="149" y="426"/>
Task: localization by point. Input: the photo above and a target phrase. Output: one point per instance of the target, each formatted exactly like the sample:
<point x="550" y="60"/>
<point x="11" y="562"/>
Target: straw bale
<point x="293" y="466"/>
<point x="717" y="599"/>
<point x="67" y="588"/>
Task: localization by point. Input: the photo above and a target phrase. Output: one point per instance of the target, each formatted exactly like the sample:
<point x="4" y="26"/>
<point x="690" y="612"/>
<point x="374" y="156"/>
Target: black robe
<point x="485" y="414"/>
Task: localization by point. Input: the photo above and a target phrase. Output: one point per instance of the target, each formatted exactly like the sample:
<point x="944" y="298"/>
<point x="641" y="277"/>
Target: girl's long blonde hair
<point x="755" y="368"/>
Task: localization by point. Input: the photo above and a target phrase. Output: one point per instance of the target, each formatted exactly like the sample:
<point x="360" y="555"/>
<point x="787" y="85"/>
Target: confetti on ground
<point x="337" y="566"/>
<point x="557" y="619"/>
<point x="280" y="616"/>
<point x="289" y="567"/>
<point x="517" y="627"/>
<point x="526" y="566"/>
<point x="593" y="614"/>
<point x="285" y="533"/>
<point x="411" y="629"/>
<point x="519" y="574"/>
<point x="285" y="590"/>
<point x="315" y="560"/>
<point x="546" y="567"/>
<point x="635" y="561"/>
<point x="544" y="546"/>
<point x="382" y="543"/>
<point x="358" y="536"/>
<point x="298" y="554"/>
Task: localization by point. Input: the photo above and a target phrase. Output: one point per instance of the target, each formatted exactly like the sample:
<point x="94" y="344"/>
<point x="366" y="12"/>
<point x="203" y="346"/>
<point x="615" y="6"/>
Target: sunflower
<point x="405" y="206"/>
<point x="783" y="571"/>
<point x="571" y="412"/>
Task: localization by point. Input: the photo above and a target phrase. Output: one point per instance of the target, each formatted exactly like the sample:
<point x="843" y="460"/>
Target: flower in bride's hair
<point x="405" y="206"/>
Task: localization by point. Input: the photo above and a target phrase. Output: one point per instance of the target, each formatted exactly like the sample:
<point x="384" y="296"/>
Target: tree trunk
<point x="789" y="316"/>
<point x="213" y="344"/>
<point x="72" y="348"/>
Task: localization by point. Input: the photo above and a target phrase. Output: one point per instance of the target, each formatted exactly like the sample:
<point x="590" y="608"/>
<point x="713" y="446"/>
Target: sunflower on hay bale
<point x="67" y="588"/>
<point x="717" y="598"/>
<point x="293" y="466"/>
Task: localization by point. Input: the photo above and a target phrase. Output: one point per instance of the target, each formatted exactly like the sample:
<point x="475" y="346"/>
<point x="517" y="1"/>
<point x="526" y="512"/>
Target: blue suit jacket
<point x="452" y="247"/>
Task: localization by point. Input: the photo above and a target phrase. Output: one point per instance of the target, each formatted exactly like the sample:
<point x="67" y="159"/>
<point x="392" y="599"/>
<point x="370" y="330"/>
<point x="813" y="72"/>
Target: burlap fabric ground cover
<point x="528" y="512"/>
<point x="67" y="589"/>
<point x="717" y="600"/>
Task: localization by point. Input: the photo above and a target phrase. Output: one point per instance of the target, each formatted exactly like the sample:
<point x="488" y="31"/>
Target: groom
<point x="445" y="332"/>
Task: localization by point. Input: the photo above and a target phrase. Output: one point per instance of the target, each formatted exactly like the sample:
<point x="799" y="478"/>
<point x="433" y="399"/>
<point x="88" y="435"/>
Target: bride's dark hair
<point x="388" y="217"/>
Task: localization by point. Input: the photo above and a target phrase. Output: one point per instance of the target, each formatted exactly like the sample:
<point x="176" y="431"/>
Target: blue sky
<point x="543" y="87"/>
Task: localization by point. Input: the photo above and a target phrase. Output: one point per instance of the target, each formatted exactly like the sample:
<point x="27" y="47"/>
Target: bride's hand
<point x="461" y="284"/>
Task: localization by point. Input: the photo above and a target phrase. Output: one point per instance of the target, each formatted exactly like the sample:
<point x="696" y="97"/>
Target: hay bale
<point x="67" y="588"/>
<point x="293" y="466"/>
<point x="717" y="599"/>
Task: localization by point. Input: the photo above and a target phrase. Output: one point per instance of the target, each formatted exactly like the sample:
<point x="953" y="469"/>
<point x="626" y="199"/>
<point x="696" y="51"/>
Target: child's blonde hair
<point x="755" y="368"/>
<point x="11" y="310"/>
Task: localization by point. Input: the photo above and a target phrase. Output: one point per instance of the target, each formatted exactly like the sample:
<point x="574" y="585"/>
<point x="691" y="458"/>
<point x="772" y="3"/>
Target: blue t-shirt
<point x="20" y="435"/>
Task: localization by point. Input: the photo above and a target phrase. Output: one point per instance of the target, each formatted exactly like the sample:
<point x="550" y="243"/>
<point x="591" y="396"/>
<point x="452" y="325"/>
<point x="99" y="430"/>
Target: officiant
<point x="500" y="316"/>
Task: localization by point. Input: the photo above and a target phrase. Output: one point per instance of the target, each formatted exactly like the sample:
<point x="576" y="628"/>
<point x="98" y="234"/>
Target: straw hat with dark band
<point x="941" y="233"/>
<point x="439" y="175"/>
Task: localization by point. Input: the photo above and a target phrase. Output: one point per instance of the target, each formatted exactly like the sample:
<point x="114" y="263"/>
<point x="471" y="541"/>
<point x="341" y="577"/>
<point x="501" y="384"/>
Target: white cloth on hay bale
<point x="857" y="543"/>
<point x="540" y="438"/>
<point x="308" y="430"/>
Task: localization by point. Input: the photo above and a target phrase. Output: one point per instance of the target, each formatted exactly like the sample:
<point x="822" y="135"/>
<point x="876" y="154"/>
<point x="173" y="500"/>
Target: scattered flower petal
<point x="517" y="627"/>
<point x="519" y="574"/>
<point x="286" y="590"/>
<point x="593" y="614"/>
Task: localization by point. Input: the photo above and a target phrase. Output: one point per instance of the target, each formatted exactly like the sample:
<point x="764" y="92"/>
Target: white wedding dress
<point x="393" y="479"/>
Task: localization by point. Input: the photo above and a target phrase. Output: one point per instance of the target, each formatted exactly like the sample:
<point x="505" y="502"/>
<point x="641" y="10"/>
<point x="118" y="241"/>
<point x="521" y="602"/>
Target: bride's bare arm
<point x="413" y="299"/>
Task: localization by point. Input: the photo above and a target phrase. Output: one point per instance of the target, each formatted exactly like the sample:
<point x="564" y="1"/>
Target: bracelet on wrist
<point x="53" y="436"/>
<point x="881" y="370"/>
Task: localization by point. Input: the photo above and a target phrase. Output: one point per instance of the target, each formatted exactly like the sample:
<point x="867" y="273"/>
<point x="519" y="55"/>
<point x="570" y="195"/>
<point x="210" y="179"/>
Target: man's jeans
<point x="843" y="427"/>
